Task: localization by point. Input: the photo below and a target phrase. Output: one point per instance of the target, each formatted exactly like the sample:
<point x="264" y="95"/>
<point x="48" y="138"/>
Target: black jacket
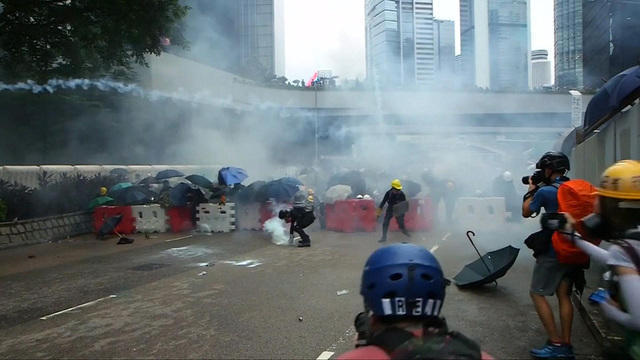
<point x="392" y="197"/>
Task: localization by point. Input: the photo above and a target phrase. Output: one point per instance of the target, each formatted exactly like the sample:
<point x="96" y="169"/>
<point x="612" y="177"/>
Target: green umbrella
<point x="100" y="201"/>
<point x="119" y="186"/>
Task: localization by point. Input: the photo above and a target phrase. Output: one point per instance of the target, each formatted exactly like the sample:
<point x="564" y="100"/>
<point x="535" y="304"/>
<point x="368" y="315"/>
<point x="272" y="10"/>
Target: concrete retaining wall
<point x="42" y="230"/>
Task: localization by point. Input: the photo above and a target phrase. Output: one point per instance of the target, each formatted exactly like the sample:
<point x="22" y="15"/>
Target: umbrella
<point x="489" y="268"/>
<point x="169" y="173"/>
<point x="411" y="188"/>
<point x="200" y="181"/>
<point x="100" y="201"/>
<point x="337" y="192"/>
<point x="109" y="226"/>
<point x="119" y="186"/>
<point x="148" y="181"/>
<point x="611" y="95"/>
<point x="119" y="172"/>
<point x="629" y="84"/>
<point x="231" y="175"/>
<point x="281" y="190"/>
<point x="179" y="195"/>
<point x="250" y="193"/>
<point x="133" y="195"/>
<point x="353" y="179"/>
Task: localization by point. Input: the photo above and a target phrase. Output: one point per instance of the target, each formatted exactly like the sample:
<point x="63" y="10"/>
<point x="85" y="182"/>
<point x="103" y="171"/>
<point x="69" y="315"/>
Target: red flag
<point x="313" y="78"/>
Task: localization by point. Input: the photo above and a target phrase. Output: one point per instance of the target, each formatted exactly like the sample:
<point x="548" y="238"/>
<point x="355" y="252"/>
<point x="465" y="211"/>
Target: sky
<point x="329" y="34"/>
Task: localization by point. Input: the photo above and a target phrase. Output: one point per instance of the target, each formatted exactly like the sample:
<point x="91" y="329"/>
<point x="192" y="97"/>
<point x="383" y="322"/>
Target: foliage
<point x="69" y="193"/>
<point x="42" y="39"/>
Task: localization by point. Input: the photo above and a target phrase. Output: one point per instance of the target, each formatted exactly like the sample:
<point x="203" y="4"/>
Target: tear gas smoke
<point x="276" y="228"/>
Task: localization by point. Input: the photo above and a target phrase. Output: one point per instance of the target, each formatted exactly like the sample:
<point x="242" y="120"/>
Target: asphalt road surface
<point x="236" y="295"/>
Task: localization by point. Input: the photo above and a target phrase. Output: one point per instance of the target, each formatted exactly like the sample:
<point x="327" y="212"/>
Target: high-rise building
<point x="594" y="40"/>
<point x="540" y="69"/>
<point x="400" y="41"/>
<point x="240" y="36"/>
<point x="445" y="49"/>
<point x="494" y="36"/>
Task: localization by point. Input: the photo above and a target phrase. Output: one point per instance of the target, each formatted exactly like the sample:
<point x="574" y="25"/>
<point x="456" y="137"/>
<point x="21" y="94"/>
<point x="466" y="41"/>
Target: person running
<point x="403" y="288"/>
<point x="392" y="197"/>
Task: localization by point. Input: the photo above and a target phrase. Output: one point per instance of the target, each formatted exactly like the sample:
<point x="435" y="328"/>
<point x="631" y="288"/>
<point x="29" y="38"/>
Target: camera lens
<point x="525" y="180"/>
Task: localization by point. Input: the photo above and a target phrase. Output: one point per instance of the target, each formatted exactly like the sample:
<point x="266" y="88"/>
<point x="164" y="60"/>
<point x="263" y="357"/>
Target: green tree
<point x="42" y="39"/>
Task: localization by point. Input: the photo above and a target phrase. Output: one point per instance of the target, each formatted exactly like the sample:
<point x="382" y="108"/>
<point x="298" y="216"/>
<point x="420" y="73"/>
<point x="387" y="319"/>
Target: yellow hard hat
<point x="396" y="184"/>
<point x="621" y="181"/>
<point x="103" y="191"/>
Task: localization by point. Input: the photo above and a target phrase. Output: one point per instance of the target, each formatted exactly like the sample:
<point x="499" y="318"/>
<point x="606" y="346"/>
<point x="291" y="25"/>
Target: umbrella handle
<point x="469" y="233"/>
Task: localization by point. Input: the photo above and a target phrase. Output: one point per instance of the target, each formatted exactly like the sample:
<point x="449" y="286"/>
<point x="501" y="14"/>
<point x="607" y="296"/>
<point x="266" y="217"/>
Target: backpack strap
<point x="390" y="338"/>
<point x="633" y="255"/>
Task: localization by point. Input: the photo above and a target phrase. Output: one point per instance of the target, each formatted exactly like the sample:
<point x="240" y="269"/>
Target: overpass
<point x="170" y="73"/>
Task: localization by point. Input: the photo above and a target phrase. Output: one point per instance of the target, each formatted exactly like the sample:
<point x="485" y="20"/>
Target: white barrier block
<point x="480" y="212"/>
<point x="150" y="218"/>
<point x="248" y="217"/>
<point x="218" y="218"/>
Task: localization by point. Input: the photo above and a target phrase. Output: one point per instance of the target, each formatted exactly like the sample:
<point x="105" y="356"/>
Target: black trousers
<point x="304" y="219"/>
<point x="387" y="219"/>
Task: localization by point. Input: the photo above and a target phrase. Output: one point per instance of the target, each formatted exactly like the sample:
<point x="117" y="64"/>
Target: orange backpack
<point x="576" y="197"/>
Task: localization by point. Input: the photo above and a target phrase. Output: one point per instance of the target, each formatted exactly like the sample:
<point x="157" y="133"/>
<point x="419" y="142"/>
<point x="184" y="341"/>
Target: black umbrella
<point x="148" y="181"/>
<point x="200" y="181"/>
<point x="489" y="268"/>
<point x="169" y="173"/>
<point x="109" y="226"/>
<point x="411" y="188"/>
<point x="133" y="195"/>
<point x="252" y="193"/>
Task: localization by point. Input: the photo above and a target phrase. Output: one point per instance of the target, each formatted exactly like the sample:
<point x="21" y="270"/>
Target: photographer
<point x="617" y="219"/>
<point x="549" y="275"/>
<point x="404" y="288"/>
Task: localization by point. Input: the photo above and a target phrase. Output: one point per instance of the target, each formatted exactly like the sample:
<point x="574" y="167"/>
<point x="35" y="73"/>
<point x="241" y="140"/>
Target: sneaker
<point x="304" y="244"/>
<point x="553" y="351"/>
<point x="382" y="240"/>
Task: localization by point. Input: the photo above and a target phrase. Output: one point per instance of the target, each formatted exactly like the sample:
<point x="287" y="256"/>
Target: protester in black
<point x="392" y="197"/>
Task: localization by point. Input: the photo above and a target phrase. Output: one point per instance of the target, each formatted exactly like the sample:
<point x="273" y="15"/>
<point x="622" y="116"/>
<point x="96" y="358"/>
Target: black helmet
<point x="553" y="160"/>
<point x="283" y="214"/>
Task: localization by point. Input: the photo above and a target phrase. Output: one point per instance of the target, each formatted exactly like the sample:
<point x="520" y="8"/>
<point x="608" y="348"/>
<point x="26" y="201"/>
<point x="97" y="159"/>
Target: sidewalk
<point x="27" y="258"/>
<point x="608" y="334"/>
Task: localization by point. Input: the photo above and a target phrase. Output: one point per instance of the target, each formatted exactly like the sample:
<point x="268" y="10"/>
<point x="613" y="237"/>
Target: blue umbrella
<point x="119" y="186"/>
<point x="281" y="190"/>
<point x="169" y="173"/>
<point x="231" y="175"/>
<point x="612" y="94"/>
<point x="628" y="84"/>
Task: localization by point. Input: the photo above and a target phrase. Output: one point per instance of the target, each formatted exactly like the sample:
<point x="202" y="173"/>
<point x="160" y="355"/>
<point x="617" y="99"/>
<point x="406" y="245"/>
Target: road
<point x="236" y="295"/>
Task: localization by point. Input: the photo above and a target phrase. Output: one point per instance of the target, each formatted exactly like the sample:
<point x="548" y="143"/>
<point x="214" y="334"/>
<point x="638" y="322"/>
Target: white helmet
<point x="506" y="176"/>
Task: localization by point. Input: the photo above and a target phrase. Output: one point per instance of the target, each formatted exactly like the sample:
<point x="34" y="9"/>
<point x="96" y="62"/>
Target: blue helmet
<point x="403" y="280"/>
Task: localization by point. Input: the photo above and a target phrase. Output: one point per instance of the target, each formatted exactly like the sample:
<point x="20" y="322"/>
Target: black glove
<point x="362" y="323"/>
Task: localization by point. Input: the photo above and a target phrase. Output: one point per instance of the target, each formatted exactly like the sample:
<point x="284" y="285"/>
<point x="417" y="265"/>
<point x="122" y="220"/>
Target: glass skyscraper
<point x="494" y="37"/>
<point x="595" y="40"/>
<point x="400" y="41"/>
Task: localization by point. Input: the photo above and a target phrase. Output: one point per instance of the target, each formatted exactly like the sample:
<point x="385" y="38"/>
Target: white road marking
<point x="446" y="236"/>
<point x="325" y="355"/>
<point x="179" y="238"/>
<point x="434" y="248"/>
<point x="77" y="307"/>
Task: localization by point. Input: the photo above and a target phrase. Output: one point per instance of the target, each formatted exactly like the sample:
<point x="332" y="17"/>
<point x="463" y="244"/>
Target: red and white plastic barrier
<point x="418" y="218"/>
<point x="216" y="218"/>
<point x="353" y="215"/>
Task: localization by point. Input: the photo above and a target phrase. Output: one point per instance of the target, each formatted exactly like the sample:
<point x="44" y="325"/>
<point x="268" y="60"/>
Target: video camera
<point x="536" y="179"/>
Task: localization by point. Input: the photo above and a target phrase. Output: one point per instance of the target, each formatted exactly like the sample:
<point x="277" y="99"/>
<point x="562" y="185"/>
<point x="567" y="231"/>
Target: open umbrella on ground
<point x="231" y="175"/>
<point x="134" y="195"/>
<point x="119" y="186"/>
<point x="411" y="188"/>
<point x="281" y="190"/>
<point x="101" y="201"/>
<point x="200" y="181"/>
<point x="109" y="226"/>
<point x="353" y="179"/>
<point x="488" y="268"/>
<point x="169" y="173"/>
<point x="181" y="194"/>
